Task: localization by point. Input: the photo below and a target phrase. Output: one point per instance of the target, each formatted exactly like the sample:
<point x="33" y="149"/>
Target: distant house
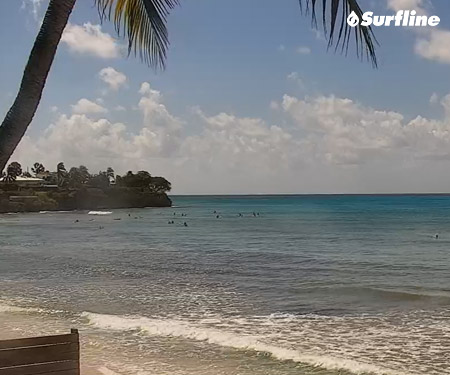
<point x="27" y="182"/>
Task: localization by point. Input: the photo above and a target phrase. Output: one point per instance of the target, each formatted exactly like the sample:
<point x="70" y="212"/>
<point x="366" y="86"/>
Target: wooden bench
<point x="47" y="355"/>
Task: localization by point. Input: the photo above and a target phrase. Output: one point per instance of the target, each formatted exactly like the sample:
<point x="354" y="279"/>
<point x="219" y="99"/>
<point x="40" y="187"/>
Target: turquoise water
<point x="252" y="285"/>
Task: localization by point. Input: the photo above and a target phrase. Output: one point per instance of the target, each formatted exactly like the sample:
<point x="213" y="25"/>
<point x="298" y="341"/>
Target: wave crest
<point x="187" y="330"/>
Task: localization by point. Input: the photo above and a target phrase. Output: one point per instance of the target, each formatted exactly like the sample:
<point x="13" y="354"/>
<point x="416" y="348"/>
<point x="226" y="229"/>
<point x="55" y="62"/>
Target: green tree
<point x="13" y="171"/>
<point x="143" y="23"/>
<point x="78" y="177"/>
<point x="110" y="174"/>
<point x="61" y="174"/>
<point x="84" y="174"/>
<point x="37" y="168"/>
<point x="142" y="179"/>
<point x="159" y="185"/>
<point x="100" y="181"/>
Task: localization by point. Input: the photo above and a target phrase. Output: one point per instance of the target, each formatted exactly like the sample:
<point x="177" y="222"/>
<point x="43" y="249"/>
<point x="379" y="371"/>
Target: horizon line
<point x="300" y="194"/>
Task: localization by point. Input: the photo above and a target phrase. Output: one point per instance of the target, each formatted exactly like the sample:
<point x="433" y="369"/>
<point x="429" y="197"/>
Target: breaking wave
<point x="190" y="331"/>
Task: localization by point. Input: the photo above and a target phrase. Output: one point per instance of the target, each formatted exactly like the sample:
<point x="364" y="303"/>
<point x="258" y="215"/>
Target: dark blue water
<point x="252" y="284"/>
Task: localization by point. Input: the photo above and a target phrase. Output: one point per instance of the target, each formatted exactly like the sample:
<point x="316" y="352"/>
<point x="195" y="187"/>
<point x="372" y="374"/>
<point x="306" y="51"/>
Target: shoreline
<point x="22" y="201"/>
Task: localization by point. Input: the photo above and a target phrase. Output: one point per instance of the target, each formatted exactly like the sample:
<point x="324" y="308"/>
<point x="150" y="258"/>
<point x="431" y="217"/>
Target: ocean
<point x="259" y="285"/>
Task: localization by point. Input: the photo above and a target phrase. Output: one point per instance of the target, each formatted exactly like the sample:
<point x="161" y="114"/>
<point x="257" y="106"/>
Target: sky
<point x="251" y="101"/>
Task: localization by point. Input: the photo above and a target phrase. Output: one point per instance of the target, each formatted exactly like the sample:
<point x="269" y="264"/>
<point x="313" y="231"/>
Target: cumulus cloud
<point x="342" y="131"/>
<point x="432" y="42"/>
<point x="85" y="106"/>
<point x="89" y="39"/>
<point x="434" y="46"/>
<point x="243" y="145"/>
<point x="321" y="144"/>
<point x="434" y="98"/>
<point x="78" y="136"/>
<point x="113" y="78"/>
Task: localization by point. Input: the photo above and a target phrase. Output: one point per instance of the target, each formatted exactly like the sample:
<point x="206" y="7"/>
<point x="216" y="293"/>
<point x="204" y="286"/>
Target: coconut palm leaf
<point x="340" y="32"/>
<point x="143" y="22"/>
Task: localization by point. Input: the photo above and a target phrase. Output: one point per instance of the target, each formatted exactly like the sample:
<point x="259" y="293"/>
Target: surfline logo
<point x="405" y="18"/>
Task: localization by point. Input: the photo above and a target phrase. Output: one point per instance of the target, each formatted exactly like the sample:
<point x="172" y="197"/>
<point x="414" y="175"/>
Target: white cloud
<point x="113" y="78"/>
<point x="89" y="39"/>
<point x="78" y="138"/>
<point x="120" y="108"/>
<point x="274" y="105"/>
<point x="34" y="6"/>
<point x="295" y="77"/>
<point x="145" y="88"/>
<point x="281" y="47"/>
<point x="434" y="46"/>
<point x="417" y="5"/>
<point x="432" y="42"/>
<point x="85" y="106"/>
<point x="434" y="98"/>
<point x="303" y="50"/>
<point x="342" y="131"/>
<point x="322" y="144"/>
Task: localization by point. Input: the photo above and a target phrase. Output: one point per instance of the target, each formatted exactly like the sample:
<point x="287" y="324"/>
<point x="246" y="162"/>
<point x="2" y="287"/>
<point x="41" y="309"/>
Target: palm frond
<point x="143" y="23"/>
<point x="340" y="35"/>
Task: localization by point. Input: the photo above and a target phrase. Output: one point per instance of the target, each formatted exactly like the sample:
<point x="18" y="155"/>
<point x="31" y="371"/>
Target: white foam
<point x="99" y="213"/>
<point x="5" y="308"/>
<point x="187" y="330"/>
<point x="106" y="371"/>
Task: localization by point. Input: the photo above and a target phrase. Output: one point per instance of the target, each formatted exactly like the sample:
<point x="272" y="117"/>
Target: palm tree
<point x="110" y="174"/>
<point x="61" y="174"/>
<point x="13" y="171"/>
<point x="143" y="23"/>
<point x="84" y="174"/>
<point x="37" y="168"/>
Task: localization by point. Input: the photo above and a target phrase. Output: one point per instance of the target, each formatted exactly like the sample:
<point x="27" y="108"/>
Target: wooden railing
<point x="47" y="355"/>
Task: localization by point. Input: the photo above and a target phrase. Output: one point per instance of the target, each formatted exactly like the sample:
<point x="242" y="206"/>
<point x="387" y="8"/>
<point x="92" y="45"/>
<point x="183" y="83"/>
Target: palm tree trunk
<point x="35" y="75"/>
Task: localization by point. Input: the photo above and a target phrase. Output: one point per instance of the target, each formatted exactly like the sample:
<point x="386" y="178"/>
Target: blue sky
<point x="251" y="101"/>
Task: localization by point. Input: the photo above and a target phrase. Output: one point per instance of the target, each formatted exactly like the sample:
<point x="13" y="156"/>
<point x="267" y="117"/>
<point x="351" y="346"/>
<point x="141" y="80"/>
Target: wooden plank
<point x="66" y="372"/>
<point x="41" y="369"/>
<point x="35" y="341"/>
<point x="39" y="354"/>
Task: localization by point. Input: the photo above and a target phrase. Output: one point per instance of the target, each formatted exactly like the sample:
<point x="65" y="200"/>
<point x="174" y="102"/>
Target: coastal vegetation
<point x="78" y="189"/>
<point x="143" y="24"/>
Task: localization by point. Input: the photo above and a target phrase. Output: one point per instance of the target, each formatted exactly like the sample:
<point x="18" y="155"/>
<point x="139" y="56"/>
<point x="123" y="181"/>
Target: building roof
<point x="25" y="179"/>
<point x="30" y="179"/>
